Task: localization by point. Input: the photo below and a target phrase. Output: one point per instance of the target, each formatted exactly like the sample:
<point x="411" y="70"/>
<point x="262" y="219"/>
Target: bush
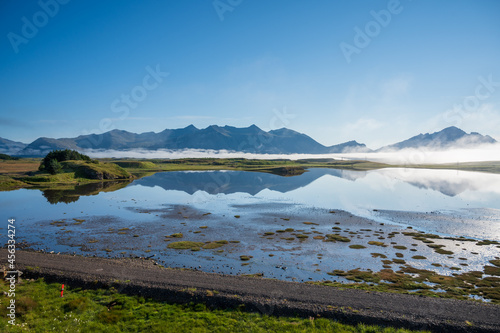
<point x="60" y="156"/>
<point x="53" y="167"/>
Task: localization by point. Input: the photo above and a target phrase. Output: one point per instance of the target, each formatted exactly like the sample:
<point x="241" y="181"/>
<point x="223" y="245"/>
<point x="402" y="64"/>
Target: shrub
<point x="53" y="167"/>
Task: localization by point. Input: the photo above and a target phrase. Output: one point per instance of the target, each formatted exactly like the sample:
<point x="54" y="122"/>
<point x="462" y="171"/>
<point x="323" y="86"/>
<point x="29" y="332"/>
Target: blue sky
<point x="87" y="67"/>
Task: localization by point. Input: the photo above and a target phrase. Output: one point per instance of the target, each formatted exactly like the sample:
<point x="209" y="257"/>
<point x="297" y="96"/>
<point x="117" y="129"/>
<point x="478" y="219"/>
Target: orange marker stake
<point x="62" y="290"/>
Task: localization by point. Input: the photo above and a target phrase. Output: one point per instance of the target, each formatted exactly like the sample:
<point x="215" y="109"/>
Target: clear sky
<point x="374" y="71"/>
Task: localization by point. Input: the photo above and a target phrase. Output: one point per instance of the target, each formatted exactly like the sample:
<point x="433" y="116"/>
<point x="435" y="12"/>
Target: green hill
<point x="91" y="170"/>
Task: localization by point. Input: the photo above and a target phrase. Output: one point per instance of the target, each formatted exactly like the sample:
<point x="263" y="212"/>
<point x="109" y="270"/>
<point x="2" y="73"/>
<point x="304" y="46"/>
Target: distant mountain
<point x="10" y="147"/>
<point x="450" y="137"/>
<point x="250" y="139"/>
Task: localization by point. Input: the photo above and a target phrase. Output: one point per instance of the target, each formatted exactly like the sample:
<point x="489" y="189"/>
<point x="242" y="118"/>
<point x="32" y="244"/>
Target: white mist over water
<point x="401" y="157"/>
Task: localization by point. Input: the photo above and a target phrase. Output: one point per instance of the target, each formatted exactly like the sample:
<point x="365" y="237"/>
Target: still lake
<point x="277" y="222"/>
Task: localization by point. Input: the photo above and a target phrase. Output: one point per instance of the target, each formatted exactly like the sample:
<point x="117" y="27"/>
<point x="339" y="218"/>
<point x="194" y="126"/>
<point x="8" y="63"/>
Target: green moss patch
<point x="377" y="243"/>
<point x="441" y="251"/>
<point x="336" y="238"/>
<point x="185" y="245"/>
<point x="491" y="270"/>
<point x="214" y="245"/>
<point x="378" y="255"/>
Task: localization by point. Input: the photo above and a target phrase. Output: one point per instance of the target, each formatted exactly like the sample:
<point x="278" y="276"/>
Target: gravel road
<point x="272" y="297"/>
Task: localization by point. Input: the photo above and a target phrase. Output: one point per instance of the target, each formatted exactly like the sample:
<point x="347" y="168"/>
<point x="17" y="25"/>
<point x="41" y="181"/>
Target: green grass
<point x="8" y="183"/>
<point x="357" y="246"/>
<point x="137" y="165"/>
<point x="185" y="245"/>
<point x="41" y="309"/>
<point x="89" y="170"/>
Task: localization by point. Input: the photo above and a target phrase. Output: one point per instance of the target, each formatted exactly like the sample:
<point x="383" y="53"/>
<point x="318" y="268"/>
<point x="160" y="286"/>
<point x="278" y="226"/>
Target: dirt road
<point x="272" y="297"/>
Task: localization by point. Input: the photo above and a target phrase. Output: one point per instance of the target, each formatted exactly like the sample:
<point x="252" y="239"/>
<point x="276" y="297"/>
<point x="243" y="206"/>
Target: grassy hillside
<point x="136" y="164"/>
<point x="98" y="171"/>
<point x="24" y="173"/>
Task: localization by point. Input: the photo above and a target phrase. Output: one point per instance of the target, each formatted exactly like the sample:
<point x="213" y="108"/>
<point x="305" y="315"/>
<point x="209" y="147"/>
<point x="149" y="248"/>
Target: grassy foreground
<point x="41" y="309"/>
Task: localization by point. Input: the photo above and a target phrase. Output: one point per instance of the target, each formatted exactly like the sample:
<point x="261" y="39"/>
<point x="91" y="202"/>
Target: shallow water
<point x="243" y="206"/>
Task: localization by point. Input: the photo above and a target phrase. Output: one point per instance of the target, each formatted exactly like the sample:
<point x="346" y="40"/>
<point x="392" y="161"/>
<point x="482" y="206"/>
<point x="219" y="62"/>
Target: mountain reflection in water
<point x="450" y="183"/>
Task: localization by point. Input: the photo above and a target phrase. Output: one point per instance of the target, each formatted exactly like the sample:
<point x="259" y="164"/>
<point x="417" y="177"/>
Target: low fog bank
<point x="401" y="157"/>
<point x="411" y="156"/>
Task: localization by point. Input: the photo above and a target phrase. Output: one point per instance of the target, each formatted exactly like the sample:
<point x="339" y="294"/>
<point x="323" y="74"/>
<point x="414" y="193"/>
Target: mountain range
<point x="448" y="138"/>
<point x="249" y="139"/>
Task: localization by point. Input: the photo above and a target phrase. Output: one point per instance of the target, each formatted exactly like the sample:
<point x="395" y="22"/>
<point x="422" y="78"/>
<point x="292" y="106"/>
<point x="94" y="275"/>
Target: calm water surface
<point x="242" y="206"/>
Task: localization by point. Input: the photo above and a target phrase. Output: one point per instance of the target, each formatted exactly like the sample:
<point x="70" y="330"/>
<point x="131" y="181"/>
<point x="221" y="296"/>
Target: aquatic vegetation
<point x="408" y="279"/>
<point x="419" y="257"/>
<point x="377" y="243"/>
<point x="176" y="235"/>
<point x="245" y="258"/>
<point x="336" y="238"/>
<point x="357" y="246"/>
<point x="214" y="245"/>
<point x="441" y="251"/>
<point x="487" y="242"/>
<point x="185" y="245"/>
<point x="435" y="246"/>
<point x="378" y="255"/>
<point x="400" y="247"/>
<point x="492" y="270"/>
